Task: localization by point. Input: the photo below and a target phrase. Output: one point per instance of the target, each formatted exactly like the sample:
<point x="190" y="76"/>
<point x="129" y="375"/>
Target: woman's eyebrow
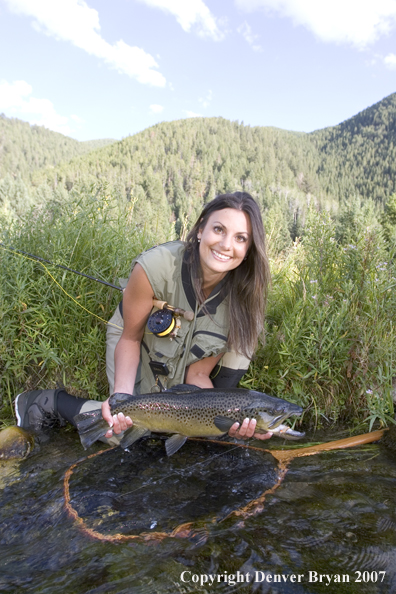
<point x="225" y="227"/>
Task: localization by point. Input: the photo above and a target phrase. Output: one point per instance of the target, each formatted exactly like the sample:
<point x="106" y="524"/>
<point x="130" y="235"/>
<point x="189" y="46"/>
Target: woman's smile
<point x="221" y="257"/>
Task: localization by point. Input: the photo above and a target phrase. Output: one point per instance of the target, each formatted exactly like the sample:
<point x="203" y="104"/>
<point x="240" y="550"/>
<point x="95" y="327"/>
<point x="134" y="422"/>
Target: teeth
<point x="221" y="256"/>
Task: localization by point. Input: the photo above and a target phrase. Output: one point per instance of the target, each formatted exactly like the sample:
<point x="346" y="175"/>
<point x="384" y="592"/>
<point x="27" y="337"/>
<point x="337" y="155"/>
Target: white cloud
<point x="390" y="61"/>
<point x="16" y="99"/>
<point x="77" y="119"/>
<point x="156" y="108"/>
<point x="246" y="31"/>
<point x="190" y="14"/>
<point x="205" y="102"/>
<point x="75" y="21"/>
<point x="192" y="114"/>
<point x="13" y="95"/>
<point x="357" y="22"/>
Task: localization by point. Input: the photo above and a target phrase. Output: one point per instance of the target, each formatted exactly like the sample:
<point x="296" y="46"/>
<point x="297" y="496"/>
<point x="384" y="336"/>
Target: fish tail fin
<point x="91" y="426"/>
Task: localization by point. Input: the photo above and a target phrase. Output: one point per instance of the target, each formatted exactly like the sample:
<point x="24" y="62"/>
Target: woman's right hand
<point x="118" y="423"/>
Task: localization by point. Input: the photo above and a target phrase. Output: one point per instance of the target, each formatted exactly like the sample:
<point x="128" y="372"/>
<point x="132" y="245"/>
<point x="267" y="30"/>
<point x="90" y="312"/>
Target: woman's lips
<point x="220" y="257"/>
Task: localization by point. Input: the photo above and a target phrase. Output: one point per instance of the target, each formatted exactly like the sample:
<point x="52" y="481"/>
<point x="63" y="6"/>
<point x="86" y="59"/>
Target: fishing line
<point x="177" y="472"/>
<point x="41" y="261"/>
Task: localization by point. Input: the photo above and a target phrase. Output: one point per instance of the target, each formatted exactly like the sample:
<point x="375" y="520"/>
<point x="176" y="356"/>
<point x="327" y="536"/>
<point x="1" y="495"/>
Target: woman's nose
<point x="225" y="242"/>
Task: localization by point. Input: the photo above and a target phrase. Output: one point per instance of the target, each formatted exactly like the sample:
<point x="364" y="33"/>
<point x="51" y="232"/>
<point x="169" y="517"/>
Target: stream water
<point x="328" y="526"/>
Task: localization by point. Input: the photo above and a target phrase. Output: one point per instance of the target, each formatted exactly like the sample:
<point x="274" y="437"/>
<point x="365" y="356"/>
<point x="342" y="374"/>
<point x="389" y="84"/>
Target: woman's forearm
<point x="126" y="359"/>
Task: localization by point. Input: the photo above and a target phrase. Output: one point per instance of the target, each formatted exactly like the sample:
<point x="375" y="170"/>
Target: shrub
<point x="53" y="321"/>
<point x="330" y="334"/>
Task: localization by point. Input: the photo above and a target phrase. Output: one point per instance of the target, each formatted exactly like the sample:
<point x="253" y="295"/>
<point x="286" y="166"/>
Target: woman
<point x="221" y="275"/>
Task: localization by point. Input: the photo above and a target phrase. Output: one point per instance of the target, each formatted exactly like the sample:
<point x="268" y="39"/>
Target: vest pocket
<point x="206" y="343"/>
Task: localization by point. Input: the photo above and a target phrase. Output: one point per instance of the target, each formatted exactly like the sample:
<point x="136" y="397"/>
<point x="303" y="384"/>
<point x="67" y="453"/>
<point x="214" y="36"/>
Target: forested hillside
<point x="358" y="157"/>
<point x="25" y="148"/>
<point x="184" y="162"/>
<point x="169" y="170"/>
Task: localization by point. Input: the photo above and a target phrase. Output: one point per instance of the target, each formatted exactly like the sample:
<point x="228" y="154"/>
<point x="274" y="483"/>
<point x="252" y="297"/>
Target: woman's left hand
<point x="247" y="430"/>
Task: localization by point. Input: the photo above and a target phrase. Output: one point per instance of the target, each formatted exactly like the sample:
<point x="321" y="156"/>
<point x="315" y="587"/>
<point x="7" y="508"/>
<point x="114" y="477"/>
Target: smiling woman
<point x="221" y="273"/>
<point x="220" y="277"/>
<point x="233" y="240"/>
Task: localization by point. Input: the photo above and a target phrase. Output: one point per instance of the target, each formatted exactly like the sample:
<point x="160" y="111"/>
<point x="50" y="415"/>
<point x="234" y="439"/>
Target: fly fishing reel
<point x="161" y="322"/>
<point x="165" y="321"/>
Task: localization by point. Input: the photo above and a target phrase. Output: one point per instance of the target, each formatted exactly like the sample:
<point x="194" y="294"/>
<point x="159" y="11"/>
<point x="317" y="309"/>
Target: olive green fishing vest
<point x="168" y="273"/>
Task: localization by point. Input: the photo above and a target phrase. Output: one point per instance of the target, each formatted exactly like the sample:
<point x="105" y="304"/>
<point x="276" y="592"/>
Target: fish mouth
<point x="278" y="420"/>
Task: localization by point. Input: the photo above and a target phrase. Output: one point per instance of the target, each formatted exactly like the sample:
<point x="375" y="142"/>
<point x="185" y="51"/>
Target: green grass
<point x="52" y="336"/>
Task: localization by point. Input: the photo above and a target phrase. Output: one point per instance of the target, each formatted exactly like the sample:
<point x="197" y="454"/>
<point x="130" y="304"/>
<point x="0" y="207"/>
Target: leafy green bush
<point x="330" y="333"/>
<point x="52" y="336"/>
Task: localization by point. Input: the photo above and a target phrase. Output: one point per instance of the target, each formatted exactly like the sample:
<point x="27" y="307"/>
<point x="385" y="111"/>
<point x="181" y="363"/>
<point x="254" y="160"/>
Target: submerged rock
<point x="389" y="439"/>
<point x="15" y="443"/>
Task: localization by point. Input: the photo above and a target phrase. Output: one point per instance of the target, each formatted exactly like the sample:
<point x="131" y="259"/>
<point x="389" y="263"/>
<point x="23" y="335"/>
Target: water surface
<point x="333" y="515"/>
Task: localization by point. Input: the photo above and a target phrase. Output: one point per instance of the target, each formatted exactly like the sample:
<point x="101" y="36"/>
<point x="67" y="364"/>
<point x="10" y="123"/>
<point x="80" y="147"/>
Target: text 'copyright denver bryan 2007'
<point x="310" y="577"/>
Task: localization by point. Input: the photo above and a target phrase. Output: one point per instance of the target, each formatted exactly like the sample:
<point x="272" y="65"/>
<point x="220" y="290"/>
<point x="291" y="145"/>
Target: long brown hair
<point x="247" y="285"/>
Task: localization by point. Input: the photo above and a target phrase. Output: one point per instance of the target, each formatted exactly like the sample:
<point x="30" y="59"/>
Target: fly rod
<point x="98" y="280"/>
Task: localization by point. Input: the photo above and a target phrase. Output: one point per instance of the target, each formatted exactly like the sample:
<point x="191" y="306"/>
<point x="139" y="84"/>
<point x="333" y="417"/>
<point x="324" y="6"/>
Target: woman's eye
<point x="218" y="229"/>
<point x="241" y="238"/>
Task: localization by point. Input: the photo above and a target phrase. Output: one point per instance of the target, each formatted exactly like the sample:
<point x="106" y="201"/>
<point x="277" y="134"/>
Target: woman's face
<point x="225" y="240"/>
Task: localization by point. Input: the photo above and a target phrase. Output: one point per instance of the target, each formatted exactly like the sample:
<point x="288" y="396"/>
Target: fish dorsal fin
<point x="183" y="389"/>
<point x="119" y="398"/>
<point x="223" y="424"/>
<point x="174" y="443"/>
<point x="132" y="435"/>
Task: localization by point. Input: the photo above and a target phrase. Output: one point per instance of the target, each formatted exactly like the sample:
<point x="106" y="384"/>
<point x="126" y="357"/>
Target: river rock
<point x="15" y="443"/>
<point x="389" y="438"/>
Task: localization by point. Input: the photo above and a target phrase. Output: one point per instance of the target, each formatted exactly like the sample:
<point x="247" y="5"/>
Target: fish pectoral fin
<point x="133" y="434"/>
<point x="224" y="424"/>
<point x="174" y="443"/>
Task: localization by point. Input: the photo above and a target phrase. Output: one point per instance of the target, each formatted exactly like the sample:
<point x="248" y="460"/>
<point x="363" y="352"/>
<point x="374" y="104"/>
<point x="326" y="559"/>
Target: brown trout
<point x="189" y="411"/>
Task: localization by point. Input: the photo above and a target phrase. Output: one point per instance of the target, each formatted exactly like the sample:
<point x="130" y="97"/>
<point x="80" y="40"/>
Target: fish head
<point x="270" y="412"/>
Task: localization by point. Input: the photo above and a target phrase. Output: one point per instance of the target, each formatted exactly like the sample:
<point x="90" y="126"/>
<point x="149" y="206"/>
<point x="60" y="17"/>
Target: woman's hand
<point x="246" y="430"/>
<point x="118" y="423"/>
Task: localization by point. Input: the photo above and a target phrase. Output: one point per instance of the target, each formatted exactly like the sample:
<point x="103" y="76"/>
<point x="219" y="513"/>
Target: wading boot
<point x="37" y="410"/>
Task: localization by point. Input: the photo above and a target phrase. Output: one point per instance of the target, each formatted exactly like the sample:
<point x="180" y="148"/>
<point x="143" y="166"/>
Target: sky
<point x="108" y="69"/>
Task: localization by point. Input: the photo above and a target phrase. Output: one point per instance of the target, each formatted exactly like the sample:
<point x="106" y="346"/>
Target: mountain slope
<point x="358" y="157"/>
<point x="188" y="161"/>
<point x="169" y="170"/>
<point x="25" y="148"/>
<point x="355" y="158"/>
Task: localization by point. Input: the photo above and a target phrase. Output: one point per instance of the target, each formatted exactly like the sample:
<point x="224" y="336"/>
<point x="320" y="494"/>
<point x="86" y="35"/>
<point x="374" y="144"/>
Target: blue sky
<point x="108" y="69"/>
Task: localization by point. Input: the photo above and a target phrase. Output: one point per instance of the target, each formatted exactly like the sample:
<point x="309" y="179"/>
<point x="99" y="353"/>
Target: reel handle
<point x="187" y="315"/>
